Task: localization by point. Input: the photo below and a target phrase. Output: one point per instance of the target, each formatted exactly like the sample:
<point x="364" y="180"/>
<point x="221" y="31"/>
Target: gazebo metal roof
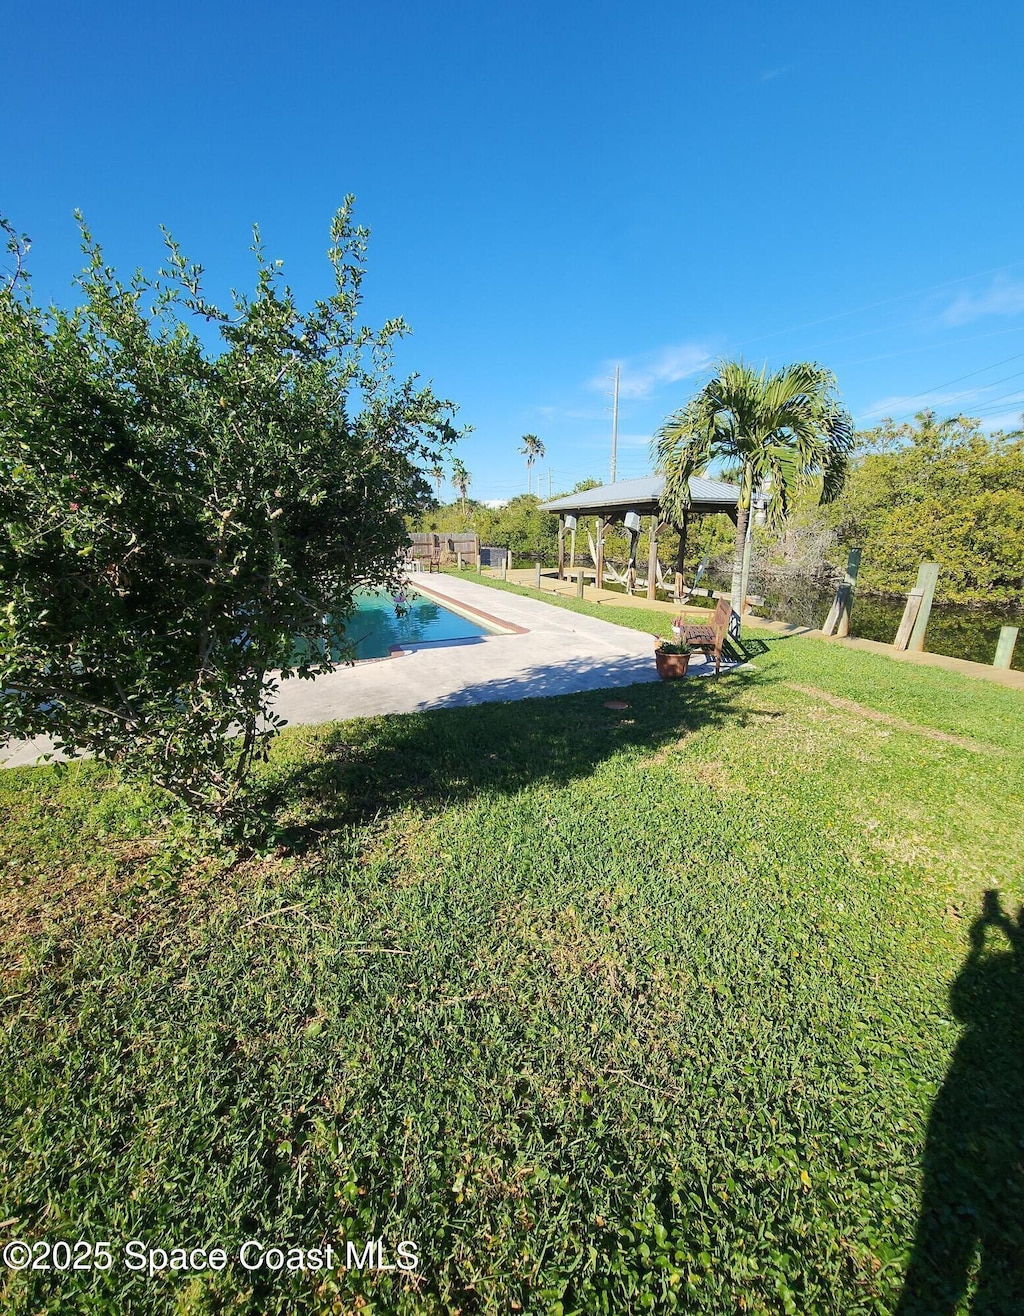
<point x="644" y="496"/>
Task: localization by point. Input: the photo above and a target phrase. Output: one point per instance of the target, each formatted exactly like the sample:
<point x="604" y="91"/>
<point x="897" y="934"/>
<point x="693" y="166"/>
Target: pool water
<point x="375" y="628"/>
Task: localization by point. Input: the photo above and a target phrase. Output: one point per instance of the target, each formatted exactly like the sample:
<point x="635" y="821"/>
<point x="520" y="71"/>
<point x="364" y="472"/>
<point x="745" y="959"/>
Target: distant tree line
<point x="942" y="491"/>
<point x="933" y="490"/>
<point x="518" y="525"/>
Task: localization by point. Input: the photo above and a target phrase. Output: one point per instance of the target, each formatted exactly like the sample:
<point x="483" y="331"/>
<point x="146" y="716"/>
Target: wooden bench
<point x="709" y="638"/>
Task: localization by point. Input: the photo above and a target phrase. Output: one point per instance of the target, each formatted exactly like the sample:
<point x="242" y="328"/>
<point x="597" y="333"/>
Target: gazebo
<point x="628" y="501"/>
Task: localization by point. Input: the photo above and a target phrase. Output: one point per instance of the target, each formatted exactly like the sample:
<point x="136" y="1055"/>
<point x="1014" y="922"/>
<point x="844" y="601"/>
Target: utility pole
<point x="615" y="422"/>
<point x="549" y="484"/>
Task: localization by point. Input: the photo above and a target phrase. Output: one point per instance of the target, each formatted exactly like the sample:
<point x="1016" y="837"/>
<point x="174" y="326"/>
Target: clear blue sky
<point x="555" y="187"/>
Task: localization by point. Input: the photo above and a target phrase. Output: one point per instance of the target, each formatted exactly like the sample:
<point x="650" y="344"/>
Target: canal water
<point x="953" y="629"/>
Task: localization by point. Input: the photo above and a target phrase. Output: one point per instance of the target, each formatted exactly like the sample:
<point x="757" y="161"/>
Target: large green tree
<point x="771" y="427"/>
<point x="943" y="491"/>
<point x="189" y="497"/>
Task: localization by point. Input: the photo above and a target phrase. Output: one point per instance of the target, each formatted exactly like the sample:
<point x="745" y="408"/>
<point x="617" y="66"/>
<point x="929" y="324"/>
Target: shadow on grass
<point x="749" y="647"/>
<point x="972" y="1205"/>
<point x="375" y="766"/>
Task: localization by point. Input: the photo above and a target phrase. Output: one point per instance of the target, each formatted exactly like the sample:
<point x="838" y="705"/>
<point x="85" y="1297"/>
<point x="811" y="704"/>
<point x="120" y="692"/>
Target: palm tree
<point x="461" y="479"/>
<point x="436" y="473"/>
<point x="775" y="428"/>
<point x="532" y="449"/>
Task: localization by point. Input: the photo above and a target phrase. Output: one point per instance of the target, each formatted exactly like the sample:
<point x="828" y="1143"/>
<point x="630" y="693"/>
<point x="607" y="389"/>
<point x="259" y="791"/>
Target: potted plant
<point x="671" y="659"/>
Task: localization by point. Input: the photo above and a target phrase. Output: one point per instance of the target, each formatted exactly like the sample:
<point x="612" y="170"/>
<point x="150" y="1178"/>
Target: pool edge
<point x="467" y="610"/>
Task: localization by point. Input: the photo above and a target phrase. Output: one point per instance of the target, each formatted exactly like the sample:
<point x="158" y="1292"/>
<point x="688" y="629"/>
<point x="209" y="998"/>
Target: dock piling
<point x="1005" y="646"/>
<point x="919" y="605"/>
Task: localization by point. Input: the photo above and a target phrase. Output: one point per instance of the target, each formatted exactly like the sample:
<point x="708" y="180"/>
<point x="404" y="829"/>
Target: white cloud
<point x="1003" y="297"/>
<point x="640" y="376"/>
<point x="634" y="440"/>
<point x="570" y="413"/>
<point x="769" y="75"/>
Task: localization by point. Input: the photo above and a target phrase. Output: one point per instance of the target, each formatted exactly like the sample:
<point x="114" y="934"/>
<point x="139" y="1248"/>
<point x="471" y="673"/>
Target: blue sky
<point x="554" y="188"/>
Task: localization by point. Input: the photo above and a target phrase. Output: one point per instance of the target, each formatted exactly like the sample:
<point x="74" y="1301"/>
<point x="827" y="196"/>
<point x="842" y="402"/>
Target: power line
<point x="930" y="347"/>
<point x="885" y="301"/>
<point x="990" y="404"/>
<point x="946" y="383"/>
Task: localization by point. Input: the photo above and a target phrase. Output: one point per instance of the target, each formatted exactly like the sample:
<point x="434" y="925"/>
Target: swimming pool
<point x="376" y="629"/>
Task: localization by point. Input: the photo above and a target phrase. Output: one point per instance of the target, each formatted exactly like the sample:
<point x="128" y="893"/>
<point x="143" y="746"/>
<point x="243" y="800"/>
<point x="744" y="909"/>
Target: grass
<point x="607" y="1011"/>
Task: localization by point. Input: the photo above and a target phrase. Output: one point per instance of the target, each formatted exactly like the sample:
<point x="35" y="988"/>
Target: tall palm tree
<point x="461" y="479"/>
<point x="774" y="428"/>
<point x="436" y="473"/>
<point x="532" y="449"/>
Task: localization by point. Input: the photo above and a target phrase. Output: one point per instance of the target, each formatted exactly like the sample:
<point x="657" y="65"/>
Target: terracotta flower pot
<point x="671" y="666"/>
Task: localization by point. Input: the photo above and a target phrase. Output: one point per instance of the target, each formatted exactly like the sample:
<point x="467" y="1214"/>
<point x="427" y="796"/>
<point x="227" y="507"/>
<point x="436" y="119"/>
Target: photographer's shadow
<point x="972" y="1205"/>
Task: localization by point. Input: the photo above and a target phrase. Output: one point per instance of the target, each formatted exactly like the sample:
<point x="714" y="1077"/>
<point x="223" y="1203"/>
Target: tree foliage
<point x="188" y="498"/>
<point x="532" y="450"/>
<point x="938" y="491"/>
<point x="775" y="428"/>
<point x="518" y="525"/>
<point x="461" y="479"/>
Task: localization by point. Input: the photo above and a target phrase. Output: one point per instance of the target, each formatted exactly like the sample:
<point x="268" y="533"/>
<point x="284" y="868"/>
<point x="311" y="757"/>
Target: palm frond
<point x="681" y="448"/>
<point x="777" y="426"/>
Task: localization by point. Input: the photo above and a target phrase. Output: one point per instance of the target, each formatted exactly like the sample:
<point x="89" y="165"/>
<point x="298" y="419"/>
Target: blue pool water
<point x="375" y="628"/>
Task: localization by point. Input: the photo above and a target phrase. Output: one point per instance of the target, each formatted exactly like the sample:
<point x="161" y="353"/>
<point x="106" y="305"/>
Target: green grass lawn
<point x="607" y="1011"/>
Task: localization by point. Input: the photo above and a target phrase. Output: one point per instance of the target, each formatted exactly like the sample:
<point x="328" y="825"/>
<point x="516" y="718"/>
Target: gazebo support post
<point x="561" y="547"/>
<point x="634" y="540"/>
<point x="681" y="557"/>
<point x="599" y="564"/>
<point x="652" y="559"/>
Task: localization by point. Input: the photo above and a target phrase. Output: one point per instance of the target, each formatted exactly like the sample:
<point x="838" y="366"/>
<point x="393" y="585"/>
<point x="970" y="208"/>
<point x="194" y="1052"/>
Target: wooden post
<point x="633" y="524"/>
<point x="579" y="583"/>
<point x="919" y="604"/>
<point x="909" y="617"/>
<point x="572" y="547"/>
<point x="652" y="559"/>
<point x="1005" y="645"/>
<point x="927" y="578"/>
<point x="504" y="565"/>
<point x="508" y="558"/>
<point x="600" y="553"/>
<point x="681" y="556"/>
<point x="838" y="620"/>
<point x="536" y="580"/>
<point x="458" y="558"/>
<point x="561" y="548"/>
<point x="479" y="564"/>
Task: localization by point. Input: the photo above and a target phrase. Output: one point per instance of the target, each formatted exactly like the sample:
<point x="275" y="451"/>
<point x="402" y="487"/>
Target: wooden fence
<point x="427" y="546"/>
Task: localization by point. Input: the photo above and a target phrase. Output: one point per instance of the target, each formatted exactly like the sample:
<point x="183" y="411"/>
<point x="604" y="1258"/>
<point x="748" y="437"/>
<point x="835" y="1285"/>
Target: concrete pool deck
<point x="557" y="652"/>
<point x="552" y="652"/>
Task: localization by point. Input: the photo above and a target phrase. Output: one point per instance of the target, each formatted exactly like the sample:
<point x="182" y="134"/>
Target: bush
<point x="183" y="525"/>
